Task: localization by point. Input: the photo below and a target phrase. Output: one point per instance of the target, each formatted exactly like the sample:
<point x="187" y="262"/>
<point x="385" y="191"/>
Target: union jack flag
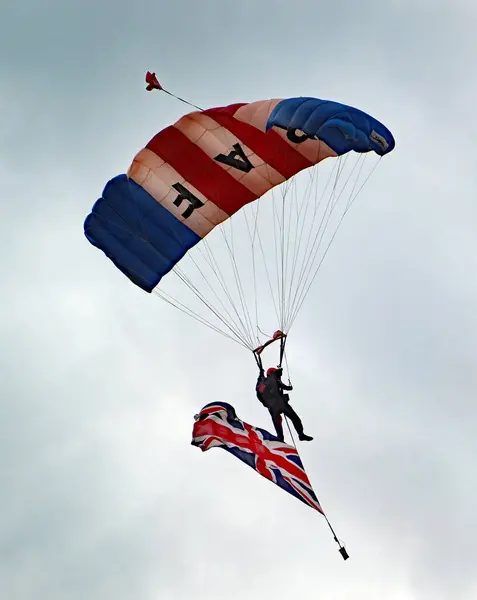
<point x="217" y="425"/>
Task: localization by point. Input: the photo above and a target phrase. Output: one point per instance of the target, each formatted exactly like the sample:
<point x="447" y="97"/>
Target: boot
<point x="304" y="438"/>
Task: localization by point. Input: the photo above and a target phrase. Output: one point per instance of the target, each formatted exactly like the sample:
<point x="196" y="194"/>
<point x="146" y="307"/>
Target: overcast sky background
<point x="101" y="494"/>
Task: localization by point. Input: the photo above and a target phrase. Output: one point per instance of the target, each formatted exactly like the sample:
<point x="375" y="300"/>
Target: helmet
<point x="271" y="370"/>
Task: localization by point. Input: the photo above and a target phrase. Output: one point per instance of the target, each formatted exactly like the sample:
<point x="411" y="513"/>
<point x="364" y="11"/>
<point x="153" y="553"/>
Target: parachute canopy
<point x="198" y="172"/>
<point x="211" y="164"/>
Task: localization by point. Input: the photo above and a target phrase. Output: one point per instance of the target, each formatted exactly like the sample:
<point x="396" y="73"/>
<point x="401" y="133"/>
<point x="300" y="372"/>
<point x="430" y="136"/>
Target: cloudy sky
<point x="102" y="495"/>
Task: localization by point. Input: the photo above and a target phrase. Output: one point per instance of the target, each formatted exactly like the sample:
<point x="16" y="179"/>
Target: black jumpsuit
<point x="270" y="393"/>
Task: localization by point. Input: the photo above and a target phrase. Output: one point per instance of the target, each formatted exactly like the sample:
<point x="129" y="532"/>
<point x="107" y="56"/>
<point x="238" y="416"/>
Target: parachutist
<point x="269" y="391"/>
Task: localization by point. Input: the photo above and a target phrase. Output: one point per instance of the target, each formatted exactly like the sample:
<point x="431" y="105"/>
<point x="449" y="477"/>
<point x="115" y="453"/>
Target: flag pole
<point x="341" y="548"/>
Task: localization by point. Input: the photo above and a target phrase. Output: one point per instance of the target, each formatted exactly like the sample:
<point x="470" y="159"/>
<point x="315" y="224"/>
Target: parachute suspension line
<point x="265" y="263"/>
<point x="282" y="269"/>
<point x="231" y="322"/>
<point x="352" y="199"/>
<point x="196" y="291"/>
<point x="276" y="243"/>
<point x="235" y="331"/>
<point x="213" y="264"/>
<point x="245" y="319"/>
<point x="305" y="275"/>
<point x="287" y="191"/>
<point x="254" y="269"/>
<point x="238" y="282"/>
<point x="281" y="245"/>
<point x="232" y="325"/>
<point x="350" y="202"/>
<point x="216" y="271"/>
<point x="255" y="229"/>
<point x="303" y="214"/>
<point x="300" y="224"/>
<point x="310" y="246"/>
<point x="291" y="241"/>
<point x="246" y="327"/>
<point x="330" y="205"/>
<point x="210" y="260"/>
<point x="287" y="227"/>
<point x="348" y="206"/>
<point x="235" y="323"/>
<point x="287" y="257"/>
<point x="316" y="245"/>
<point x="181" y="307"/>
<point x="178" y="305"/>
<point x="289" y="195"/>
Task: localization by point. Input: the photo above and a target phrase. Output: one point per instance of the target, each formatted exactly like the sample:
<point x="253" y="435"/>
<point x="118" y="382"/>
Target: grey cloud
<point x="102" y="495"/>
